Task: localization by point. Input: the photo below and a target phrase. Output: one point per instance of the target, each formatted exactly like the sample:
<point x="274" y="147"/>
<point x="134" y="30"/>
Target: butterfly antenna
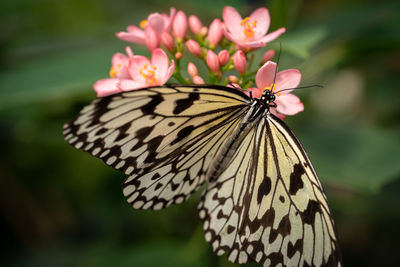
<point x="277" y="62"/>
<point x="298" y="88"/>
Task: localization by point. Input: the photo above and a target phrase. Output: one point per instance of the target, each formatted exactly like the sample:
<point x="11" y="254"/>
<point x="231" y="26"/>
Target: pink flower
<point x="212" y="61"/>
<point x="118" y="71"/>
<point x="215" y="32"/>
<point x="194" y="48"/>
<point x="250" y="32"/>
<point x="141" y="73"/>
<point x="155" y="25"/>
<point x="239" y="61"/>
<point x="179" y="25"/>
<point x="195" y="24"/>
<point x="287" y="103"/>
<point x="223" y="57"/>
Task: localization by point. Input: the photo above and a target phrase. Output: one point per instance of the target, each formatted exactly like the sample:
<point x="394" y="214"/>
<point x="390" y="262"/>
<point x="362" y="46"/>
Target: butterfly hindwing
<point x="268" y="205"/>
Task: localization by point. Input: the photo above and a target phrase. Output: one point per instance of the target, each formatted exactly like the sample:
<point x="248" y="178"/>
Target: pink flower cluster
<point x="224" y="46"/>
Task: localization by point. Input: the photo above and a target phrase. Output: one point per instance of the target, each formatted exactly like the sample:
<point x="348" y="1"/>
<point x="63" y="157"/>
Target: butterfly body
<point x="263" y="201"/>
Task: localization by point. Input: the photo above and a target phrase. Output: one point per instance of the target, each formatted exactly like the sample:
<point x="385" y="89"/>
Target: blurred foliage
<point x="59" y="206"/>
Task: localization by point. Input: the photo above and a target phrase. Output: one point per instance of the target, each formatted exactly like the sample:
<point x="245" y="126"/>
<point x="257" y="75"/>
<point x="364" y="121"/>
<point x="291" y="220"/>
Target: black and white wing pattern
<point x="263" y="200"/>
<point x="163" y="139"/>
<point x="268" y="205"/>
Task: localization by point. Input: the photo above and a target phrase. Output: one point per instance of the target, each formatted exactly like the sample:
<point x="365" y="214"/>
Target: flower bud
<point x="195" y="24"/>
<point x="215" y="32"/>
<point x="268" y="55"/>
<point x="203" y="31"/>
<point x="178" y="55"/>
<point x="233" y="79"/>
<point x="179" y="26"/>
<point x="194" y="48"/>
<point x="239" y="61"/>
<point x="212" y="61"/>
<point x="198" y="80"/>
<point x="192" y="70"/>
<point x="168" y="41"/>
<point x="223" y="57"/>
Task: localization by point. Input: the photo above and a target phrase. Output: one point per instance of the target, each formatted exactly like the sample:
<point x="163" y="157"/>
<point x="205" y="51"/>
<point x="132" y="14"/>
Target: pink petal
<point x="156" y="22"/>
<point x="130" y="37"/>
<point x="230" y="36"/>
<point x="261" y="15"/>
<point x="252" y="44"/>
<point x="232" y="21"/>
<point x="171" y="70"/>
<point x="265" y="75"/>
<point x="289" y="104"/>
<point x="160" y="60"/>
<point x="272" y="35"/>
<point x="137" y="63"/>
<point x="287" y="79"/>
<point x="129" y="85"/>
<point x="106" y="87"/>
<point x="162" y="79"/>
<point x="279" y="115"/>
<point x="255" y="92"/>
<point x="152" y="39"/>
<point x="119" y="58"/>
<point x="172" y="13"/>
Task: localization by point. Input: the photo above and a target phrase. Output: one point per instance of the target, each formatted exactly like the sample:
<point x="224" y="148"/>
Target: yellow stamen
<point x="119" y="66"/>
<point x="143" y="23"/>
<point x="272" y="88"/>
<point x="113" y="72"/>
<point x="248" y="27"/>
<point x="149" y="74"/>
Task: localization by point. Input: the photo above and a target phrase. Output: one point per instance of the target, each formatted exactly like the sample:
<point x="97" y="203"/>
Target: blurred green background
<point x="62" y="207"/>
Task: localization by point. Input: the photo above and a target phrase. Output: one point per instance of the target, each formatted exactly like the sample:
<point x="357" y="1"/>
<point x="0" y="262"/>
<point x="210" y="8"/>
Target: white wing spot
<point x="138" y="204"/>
<point x="96" y="151"/>
<point x="79" y="145"/>
<point x="158" y="206"/>
<point x="129" y="170"/>
<point x="208" y="236"/>
<point x="120" y="164"/>
<point x="111" y="160"/>
<point x="127" y="190"/>
<point x="105" y="153"/>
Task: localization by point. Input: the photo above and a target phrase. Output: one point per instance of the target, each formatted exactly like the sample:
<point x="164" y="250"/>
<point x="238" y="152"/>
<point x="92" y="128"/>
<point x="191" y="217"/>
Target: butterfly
<point x="263" y="201"/>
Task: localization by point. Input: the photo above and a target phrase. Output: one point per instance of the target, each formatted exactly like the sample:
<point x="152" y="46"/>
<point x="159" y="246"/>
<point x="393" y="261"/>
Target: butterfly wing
<point x="164" y="138"/>
<point x="268" y="205"/>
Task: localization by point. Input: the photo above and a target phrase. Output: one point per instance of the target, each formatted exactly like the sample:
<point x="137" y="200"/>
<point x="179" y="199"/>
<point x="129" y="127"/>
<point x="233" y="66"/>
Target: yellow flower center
<point x="149" y="73"/>
<point x="143" y="23"/>
<point x="272" y="88"/>
<point x="248" y="26"/>
<point x="114" y="71"/>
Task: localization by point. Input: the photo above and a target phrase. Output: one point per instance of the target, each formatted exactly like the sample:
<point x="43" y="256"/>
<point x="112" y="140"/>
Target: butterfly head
<point x="268" y="98"/>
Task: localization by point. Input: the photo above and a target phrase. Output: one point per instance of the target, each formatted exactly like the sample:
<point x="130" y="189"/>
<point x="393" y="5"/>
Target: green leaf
<point x="359" y="157"/>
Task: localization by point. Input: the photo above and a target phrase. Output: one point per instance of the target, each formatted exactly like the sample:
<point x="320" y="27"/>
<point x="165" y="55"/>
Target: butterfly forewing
<point x="263" y="201"/>
<point x="163" y="138"/>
